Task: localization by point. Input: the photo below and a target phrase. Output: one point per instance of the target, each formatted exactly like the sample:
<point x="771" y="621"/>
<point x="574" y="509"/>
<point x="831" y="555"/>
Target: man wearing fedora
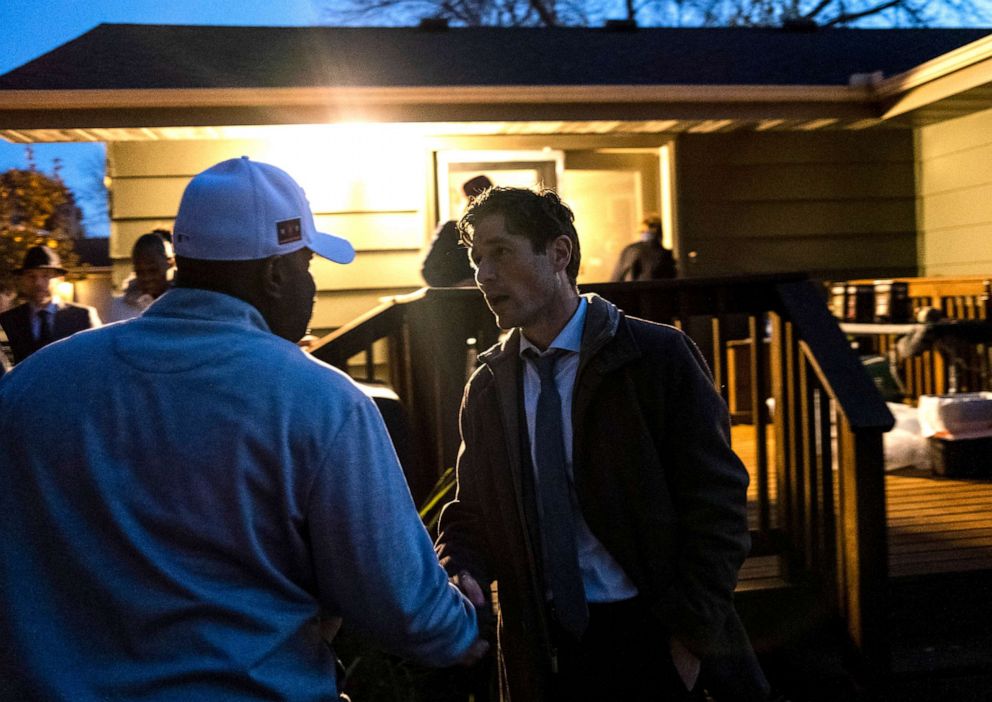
<point x="42" y="318"/>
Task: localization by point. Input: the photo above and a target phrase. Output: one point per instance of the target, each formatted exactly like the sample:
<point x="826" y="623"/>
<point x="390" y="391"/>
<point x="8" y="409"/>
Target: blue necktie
<point x="561" y="565"/>
<point x="44" y="328"/>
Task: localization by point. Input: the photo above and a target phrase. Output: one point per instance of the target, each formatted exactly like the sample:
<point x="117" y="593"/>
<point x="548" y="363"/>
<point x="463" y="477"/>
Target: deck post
<point x="865" y="544"/>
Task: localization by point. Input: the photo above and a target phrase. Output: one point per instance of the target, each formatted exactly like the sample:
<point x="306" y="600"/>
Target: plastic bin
<point x="966" y="415"/>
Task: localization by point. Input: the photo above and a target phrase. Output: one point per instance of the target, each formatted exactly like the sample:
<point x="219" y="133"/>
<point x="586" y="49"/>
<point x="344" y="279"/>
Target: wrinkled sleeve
<point x="374" y="561"/>
<point x="709" y="488"/>
<point x="461" y="536"/>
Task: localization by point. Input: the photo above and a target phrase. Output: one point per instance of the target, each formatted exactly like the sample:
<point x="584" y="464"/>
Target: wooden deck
<point x="936" y="524"/>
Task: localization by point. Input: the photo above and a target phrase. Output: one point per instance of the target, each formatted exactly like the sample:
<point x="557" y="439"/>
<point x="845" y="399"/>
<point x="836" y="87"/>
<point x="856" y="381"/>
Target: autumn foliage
<point x="35" y="208"/>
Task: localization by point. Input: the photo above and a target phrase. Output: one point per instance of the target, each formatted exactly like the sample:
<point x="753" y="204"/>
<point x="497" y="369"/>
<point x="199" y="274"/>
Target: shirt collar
<point x="52" y="307"/>
<point x="569" y="338"/>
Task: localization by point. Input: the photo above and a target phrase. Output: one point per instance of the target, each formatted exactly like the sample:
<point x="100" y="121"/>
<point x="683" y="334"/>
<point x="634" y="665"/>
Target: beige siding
<point x="955" y="196"/>
<point x="375" y="194"/>
<point x="835" y="204"/>
<point x="378" y="192"/>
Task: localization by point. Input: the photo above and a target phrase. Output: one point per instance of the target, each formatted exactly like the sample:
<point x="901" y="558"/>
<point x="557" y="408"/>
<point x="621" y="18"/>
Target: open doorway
<point x="519" y="169"/>
<point x="611" y="190"/>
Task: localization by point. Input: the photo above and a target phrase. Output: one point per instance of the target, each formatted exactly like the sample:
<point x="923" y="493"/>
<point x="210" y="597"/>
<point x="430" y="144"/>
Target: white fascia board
<point x="434" y="95"/>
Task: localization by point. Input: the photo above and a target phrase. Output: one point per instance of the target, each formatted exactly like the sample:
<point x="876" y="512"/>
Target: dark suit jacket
<point x="656" y="480"/>
<point x="69" y="319"/>
<point x="447" y="264"/>
<point x="644" y="260"/>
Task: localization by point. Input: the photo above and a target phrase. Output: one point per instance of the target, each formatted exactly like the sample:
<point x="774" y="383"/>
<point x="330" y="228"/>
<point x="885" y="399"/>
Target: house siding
<point x="382" y="200"/>
<point x="836" y="204"/>
<point x="377" y="199"/>
<point x="954" y="171"/>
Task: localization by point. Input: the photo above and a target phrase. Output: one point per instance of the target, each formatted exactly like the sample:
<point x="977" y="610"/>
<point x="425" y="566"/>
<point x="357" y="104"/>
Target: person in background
<point x="193" y="557"/>
<point x="43" y="317"/>
<point x="446" y="264"/>
<point x="153" y="263"/>
<point x="596" y="485"/>
<point x="8" y="294"/>
<point x="646" y="259"/>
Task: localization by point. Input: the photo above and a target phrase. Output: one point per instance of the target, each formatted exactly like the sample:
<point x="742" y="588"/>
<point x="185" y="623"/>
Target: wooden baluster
<point x="827" y="547"/>
<point x="807" y="511"/>
<point x="370" y="363"/>
<point x="939" y="373"/>
<point x="865" y="548"/>
<point x="786" y="430"/>
<point x="720" y="370"/>
<point x="759" y="414"/>
<point x="779" y="353"/>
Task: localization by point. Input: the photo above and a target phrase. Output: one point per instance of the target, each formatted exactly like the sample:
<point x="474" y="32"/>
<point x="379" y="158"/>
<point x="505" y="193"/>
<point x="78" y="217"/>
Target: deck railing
<point x="953" y="364"/>
<point x="826" y="423"/>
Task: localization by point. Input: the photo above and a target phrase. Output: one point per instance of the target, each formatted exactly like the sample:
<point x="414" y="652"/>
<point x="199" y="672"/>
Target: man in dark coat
<point x="43" y="318"/>
<point x="647" y="259"/>
<point x="446" y="264"/>
<point x="656" y="499"/>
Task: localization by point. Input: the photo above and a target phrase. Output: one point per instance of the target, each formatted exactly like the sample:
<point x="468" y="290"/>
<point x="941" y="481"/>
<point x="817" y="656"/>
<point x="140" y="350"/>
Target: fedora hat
<point x="42" y="257"/>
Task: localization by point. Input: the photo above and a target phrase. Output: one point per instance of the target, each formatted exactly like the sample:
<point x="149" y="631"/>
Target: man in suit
<point x="42" y="318"/>
<point x="596" y="484"/>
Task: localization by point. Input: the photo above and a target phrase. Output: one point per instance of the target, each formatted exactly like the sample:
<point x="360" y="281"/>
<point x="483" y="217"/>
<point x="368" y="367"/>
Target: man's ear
<point x="560" y="252"/>
<point x="273" y="276"/>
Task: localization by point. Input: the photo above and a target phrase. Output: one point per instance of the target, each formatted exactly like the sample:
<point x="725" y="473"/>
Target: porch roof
<point x="152" y="76"/>
<point x="130" y="56"/>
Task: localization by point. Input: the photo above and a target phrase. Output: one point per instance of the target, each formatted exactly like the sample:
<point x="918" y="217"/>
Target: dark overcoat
<point x="656" y="480"/>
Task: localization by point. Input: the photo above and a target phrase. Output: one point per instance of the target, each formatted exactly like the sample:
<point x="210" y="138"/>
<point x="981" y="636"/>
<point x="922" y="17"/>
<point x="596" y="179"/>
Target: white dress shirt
<point x="602" y="576"/>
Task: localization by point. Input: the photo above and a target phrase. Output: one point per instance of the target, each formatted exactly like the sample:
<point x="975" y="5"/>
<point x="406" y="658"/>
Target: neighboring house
<point x="844" y="152"/>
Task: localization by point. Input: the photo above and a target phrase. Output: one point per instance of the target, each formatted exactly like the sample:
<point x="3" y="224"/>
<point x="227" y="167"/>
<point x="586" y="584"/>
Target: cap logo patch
<point x="289" y="230"/>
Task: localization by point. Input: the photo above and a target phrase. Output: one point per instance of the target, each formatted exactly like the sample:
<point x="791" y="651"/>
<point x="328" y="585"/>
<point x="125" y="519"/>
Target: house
<point x="842" y="152"/>
<point x="846" y="153"/>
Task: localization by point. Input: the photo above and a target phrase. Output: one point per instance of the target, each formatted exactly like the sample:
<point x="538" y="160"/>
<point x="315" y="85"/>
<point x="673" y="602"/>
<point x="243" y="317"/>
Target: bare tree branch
<point x="817" y="9"/>
<point x="547" y="14"/>
<point x="553" y="13"/>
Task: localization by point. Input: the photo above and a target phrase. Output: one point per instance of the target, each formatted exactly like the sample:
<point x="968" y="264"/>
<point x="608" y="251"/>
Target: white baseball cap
<point x="244" y="210"/>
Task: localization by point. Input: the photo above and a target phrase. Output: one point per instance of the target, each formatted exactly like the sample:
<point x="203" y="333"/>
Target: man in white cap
<point x="195" y="492"/>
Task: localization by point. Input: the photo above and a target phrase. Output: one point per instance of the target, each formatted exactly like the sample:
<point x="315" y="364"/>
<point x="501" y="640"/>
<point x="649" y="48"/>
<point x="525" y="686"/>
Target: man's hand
<point x="474" y="654"/>
<point x="470" y="587"/>
<point x="472" y="590"/>
<point x="686" y="664"/>
<point x="329" y="627"/>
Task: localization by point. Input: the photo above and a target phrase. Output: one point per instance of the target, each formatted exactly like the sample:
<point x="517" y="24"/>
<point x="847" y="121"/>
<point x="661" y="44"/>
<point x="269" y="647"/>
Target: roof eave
<point x="41" y="109"/>
<point x="946" y="79"/>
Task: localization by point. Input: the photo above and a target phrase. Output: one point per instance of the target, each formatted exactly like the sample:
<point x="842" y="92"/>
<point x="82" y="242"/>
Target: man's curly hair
<point x="539" y="216"/>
